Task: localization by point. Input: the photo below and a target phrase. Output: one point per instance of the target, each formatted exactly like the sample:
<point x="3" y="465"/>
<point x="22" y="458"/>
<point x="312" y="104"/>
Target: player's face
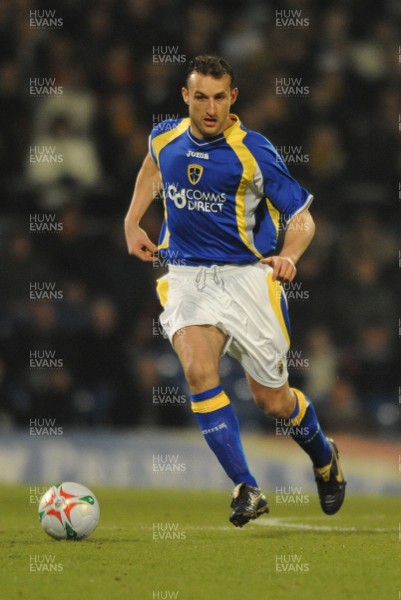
<point x="209" y="101"/>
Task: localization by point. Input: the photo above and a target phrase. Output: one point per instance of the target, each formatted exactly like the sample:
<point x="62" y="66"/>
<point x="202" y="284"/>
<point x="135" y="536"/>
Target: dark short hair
<point x="210" y="65"/>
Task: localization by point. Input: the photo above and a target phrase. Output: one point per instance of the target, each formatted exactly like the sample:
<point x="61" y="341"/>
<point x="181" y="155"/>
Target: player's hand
<point x="139" y="244"/>
<point x="284" y="269"/>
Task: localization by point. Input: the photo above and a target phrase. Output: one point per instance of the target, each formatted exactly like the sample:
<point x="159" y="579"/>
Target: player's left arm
<point x="299" y="234"/>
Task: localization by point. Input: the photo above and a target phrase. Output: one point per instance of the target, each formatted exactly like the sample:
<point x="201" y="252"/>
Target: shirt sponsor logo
<point x="191" y="199"/>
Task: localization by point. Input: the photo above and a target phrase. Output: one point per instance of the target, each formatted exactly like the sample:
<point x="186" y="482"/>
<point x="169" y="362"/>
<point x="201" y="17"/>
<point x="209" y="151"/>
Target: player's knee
<point x="200" y="376"/>
<point x="275" y="403"/>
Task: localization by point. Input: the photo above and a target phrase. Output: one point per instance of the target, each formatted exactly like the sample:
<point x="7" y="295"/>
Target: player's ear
<point x="233" y="94"/>
<point x="185" y="95"/>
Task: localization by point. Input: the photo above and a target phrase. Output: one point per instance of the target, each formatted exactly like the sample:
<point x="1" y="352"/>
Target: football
<point x="69" y="511"/>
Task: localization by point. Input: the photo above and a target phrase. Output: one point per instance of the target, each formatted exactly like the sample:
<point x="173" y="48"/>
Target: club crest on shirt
<point x="194" y="173"/>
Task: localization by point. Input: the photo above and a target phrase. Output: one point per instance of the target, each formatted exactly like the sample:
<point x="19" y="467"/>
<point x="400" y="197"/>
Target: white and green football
<point x="69" y="511"/>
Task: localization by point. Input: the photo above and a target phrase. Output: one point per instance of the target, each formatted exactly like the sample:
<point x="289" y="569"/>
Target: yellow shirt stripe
<point x="234" y="137"/>
<point x="274" y="214"/>
<point x="166" y="238"/>
<point x="159" y="142"/>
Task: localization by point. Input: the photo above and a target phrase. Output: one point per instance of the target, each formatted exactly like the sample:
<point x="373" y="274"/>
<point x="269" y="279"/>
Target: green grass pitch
<point x="179" y="544"/>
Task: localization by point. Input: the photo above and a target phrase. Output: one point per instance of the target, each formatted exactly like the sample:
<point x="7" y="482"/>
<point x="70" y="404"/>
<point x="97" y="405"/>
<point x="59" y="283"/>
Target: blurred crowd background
<point x="106" y="90"/>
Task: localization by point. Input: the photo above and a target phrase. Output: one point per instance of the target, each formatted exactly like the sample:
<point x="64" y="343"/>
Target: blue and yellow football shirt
<point x="223" y="195"/>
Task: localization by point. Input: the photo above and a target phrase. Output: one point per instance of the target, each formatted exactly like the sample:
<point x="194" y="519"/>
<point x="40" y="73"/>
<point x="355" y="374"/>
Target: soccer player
<point x="225" y="190"/>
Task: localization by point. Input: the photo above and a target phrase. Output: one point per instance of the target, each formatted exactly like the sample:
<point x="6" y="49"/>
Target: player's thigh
<point x="199" y="348"/>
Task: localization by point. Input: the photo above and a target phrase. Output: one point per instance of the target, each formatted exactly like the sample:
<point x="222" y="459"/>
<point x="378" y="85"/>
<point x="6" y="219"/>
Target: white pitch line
<point x="279" y="523"/>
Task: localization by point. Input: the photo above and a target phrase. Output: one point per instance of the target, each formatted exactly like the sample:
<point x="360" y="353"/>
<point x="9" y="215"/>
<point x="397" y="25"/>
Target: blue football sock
<point x="307" y="433"/>
<point x="220" y="428"/>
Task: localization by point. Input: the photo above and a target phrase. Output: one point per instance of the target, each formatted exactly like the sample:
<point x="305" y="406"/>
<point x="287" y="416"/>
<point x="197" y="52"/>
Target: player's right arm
<point x="147" y="184"/>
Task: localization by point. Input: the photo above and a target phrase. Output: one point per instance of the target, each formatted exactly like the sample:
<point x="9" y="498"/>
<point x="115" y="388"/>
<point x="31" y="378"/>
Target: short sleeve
<point x="283" y="191"/>
<point x="151" y="150"/>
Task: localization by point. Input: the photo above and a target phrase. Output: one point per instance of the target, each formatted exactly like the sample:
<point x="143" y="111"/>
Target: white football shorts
<point x="243" y="302"/>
